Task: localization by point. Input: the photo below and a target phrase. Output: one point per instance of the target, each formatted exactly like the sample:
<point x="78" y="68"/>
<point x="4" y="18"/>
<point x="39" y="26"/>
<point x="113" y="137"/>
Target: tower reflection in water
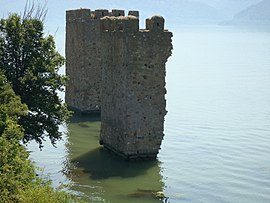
<point x="99" y="175"/>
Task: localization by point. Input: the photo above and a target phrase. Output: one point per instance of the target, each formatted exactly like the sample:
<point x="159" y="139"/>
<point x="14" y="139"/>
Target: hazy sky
<point x="166" y="7"/>
<point x="176" y="12"/>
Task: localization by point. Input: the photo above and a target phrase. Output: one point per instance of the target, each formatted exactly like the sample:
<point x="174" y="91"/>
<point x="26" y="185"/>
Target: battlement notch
<point x="155" y="23"/>
<point x="134" y="13"/>
<point x="100" y="13"/>
<point x="78" y="14"/>
<point x="116" y="12"/>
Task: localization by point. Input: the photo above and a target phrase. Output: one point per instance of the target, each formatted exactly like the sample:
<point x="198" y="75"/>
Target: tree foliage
<point x="18" y="180"/>
<point x="30" y="63"/>
<point x="15" y="169"/>
<point x="11" y="109"/>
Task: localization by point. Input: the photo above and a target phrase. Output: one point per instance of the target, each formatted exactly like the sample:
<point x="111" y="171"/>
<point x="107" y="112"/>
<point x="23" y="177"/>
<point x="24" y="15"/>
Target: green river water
<point x="217" y="130"/>
<point x="101" y="175"/>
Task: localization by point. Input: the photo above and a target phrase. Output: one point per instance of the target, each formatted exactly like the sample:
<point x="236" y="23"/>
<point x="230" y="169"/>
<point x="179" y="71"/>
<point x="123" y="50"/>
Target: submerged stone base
<point x="131" y="157"/>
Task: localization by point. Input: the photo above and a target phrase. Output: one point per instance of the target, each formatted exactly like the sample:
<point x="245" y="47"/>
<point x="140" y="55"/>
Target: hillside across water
<point x="258" y="14"/>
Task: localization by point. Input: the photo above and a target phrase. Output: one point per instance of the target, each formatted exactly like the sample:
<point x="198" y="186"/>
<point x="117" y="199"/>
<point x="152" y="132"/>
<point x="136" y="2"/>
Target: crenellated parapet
<point x="131" y="23"/>
<point x="115" y="20"/>
<point x="83" y="14"/>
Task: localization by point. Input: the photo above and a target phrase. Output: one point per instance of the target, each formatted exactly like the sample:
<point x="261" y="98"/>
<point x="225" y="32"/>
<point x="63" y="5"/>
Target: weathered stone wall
<point x="83" y="59"/>
<point x="133" y="90"/>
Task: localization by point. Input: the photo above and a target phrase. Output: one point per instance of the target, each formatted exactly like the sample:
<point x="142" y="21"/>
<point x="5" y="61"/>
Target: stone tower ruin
<point x="119" y="69"/>
<point x="83" y="60"/>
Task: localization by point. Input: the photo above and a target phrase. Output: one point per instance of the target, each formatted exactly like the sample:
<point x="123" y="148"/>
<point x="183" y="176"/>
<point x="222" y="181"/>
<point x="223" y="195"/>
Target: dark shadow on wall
<point x="102" y="164"/>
